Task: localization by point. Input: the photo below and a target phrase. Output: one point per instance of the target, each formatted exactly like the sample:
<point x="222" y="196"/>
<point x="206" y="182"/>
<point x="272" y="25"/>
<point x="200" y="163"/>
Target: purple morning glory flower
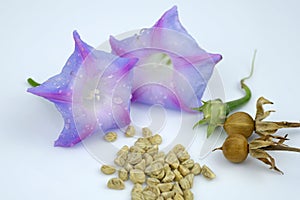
<point x="92" y="92"/>
<point x="172" y="70"/>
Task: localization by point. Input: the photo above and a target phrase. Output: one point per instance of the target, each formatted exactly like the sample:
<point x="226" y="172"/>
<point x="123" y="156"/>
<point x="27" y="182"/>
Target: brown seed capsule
<point x="239" y="123"/>
<point x="116" y="184"/>
<point x="235" y="148"/>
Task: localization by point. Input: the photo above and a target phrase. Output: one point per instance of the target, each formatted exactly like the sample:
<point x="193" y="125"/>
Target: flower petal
<point x="92" y="93"/>
<point x="170" y="62"/>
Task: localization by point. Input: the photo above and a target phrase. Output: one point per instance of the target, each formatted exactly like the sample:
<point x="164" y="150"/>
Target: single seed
<point x="183" y="170"/>
<point x="128" y="166"/>
<point x="153" y="189"/>
<point x="177" y="148"/>
<point x="178" y="175"/>
<point x="146" y="132"/>
<point x="123" y="150"/>
<point x="169" y="177"/>
<point x="184" y="184"/>
<point x="123" y="174"/>
<point x="178" y="197"/>
<point x="136" y="149"/>
<point x="188" y="163"/>
<point x="137" y="196"/>
<point x="111" y="136"/>
<point x="155" y="139"/>
<point x="160" y="156"/>
<point x="148" y="158"/>
<point x="107" y="169"/>
<point x="137" y="176"/>
<point x="177" y="189"/>
<point x="149" y="195"/>
<point x="190" y="178"/>
<point x="196" y="170"/>
<point x="183" y="156"/>
<point x="134" y="158"/>
<point x="153" y="150"/>
<point x="116" y="184"/>
<point x="160" y="198"/>
<point x="137" y="188"/>
<point x="141" y="165"/>
<point x="130" y="131"/>
<point x="169" y="194"/>
<point x="152" y="181"/>
<point x="143" y="143"/>
<point x="188" y="195"/>
<point x="207" y="172"/>
<point x="172" y="160"/>
<point x="165" y="187"/>
<point x="120" y="160"/>
<point x="159" y="176"/>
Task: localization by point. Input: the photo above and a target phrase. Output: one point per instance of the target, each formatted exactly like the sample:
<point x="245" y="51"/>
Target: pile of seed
<point x="166" y="176"/>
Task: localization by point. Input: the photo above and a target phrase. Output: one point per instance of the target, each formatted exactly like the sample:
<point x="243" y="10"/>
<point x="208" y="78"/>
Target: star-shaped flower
<point x="172" y="69"/>
<point x="92" y="92"/>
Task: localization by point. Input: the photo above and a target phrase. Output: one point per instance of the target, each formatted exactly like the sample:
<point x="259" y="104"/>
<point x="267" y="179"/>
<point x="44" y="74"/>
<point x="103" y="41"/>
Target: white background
<point x="36" y="40"/>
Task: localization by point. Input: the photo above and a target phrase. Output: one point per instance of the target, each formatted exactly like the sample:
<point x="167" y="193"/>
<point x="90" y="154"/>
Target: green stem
<point x="232" y="105"/>
<point x="32" y="82"/>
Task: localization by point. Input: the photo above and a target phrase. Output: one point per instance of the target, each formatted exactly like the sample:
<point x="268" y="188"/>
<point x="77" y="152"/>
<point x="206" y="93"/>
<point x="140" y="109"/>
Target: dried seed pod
<point x="146" y="132"/>
<point x="123" y="150"/>
<point x="137" y="176"/>
<point x="123" y="174"/>
<point x="148" y="158"/>
<point x="188" y="195"/>
<point x="184" y="184"/>
<point x="134" y="158"/>
<point x="188" y="163"/>
<point x="107" y="169"/>
<point x="169" y="194"/>
<point x="207" y="172"/>
<point x="178" y="197"/>
<point x="177" y="189"/>
<point x="130" y="131"/>
<point x="183" y="170"/>
<point x="196" y="170"/>
<point x="155" y="139"/>
<point x="183" y="156"/>
<point x="111" y="136"/>
<point x="169" y="177"/>
<point x="178" y="175"/>
<point x="165" y="187"/>
<point x="141" y="165"/>
<point x="116" y="184"/>
<point x="152" y="181"/>
<point x="239" y="123"/>
<point x="235" y="148"/>
<point x="172" y="160"/>
<point x="149" y="195"/>
<point x="177" y="148"/>
<point x="190" y="178"/>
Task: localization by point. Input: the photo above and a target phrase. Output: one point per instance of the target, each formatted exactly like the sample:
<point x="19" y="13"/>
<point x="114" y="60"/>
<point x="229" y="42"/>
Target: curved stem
<point x="32" y="82"/>
<point x="232" y="105"/>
